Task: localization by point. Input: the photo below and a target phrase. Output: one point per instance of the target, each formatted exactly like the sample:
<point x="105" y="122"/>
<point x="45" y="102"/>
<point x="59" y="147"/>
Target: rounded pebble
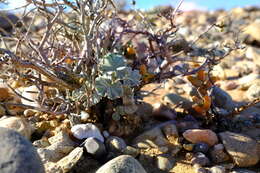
<point x="82" y="131"/>
<point x="201" y="135"/>
<point x="116" y="144"/>
<point x="201" y="147"/>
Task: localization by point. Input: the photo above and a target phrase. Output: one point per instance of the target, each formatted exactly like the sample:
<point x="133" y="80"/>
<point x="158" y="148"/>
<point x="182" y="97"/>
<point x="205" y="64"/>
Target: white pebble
<point x="82" y="131"/>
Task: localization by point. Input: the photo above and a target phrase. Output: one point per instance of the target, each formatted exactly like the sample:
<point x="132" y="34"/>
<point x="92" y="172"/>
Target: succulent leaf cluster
<point x="115" y="80"/>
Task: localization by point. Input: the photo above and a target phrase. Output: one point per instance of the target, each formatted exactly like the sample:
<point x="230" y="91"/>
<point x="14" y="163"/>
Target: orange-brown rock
<point x="201" y="135"/>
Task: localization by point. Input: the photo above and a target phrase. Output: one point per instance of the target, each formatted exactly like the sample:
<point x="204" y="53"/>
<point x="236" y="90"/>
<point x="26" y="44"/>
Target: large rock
<point x="18" y="124"/>
<point x="241" y="148"/>
<point x="122" y="164"/>
<point x="201" y="135"/>
<point x="17" y="154"/>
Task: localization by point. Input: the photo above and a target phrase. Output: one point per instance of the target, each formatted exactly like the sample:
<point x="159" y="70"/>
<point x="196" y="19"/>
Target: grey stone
<point x="41" y="143"/>
<point x="18" y="154"/>
<point x="21" y="125"/>
<point x="69" y="161"/>
<point x="242" y="149"/>
<point x="122" y="164"/>
<point x="182" y="126"/>
<point x="190" y="90"/>
<point x="105" y="134"/>
<point x="150" y="138"/>
<point x="222" y="99"/>
<point x="95" y="147"/>
<point x="164" y="163"/>
<point x="201" y="147"/>
<point x="170" y="131"/>
<point x="116" y="144"/>
<point x="129" y="150"/>
<point x="61" y="145"/>
<point x="175" y="99"/>
<point x="200" y="170"/>
<point x="161" y="111"/>
<point x="217" y="169"/>
<point x="218" y="155"/>
<point x="200" y="159"/>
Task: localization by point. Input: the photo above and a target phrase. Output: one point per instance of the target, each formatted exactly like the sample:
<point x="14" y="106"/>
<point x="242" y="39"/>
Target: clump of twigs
<point x="87" y="52"/>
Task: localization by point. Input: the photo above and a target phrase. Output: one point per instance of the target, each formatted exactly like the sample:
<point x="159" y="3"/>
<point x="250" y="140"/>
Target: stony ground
<point x="169" y="139"/>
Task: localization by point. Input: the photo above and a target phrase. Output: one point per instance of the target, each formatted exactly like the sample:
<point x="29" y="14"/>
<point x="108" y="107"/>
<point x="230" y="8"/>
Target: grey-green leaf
<point x="111" y="62"/>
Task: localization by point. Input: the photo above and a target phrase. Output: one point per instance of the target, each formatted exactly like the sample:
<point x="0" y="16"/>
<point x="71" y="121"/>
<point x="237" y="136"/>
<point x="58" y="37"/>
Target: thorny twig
<point x="17" y="61"/>
<point x="35" y="108"/>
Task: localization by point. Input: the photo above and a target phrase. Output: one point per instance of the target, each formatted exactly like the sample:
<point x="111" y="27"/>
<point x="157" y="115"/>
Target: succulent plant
<point x="115" y="80"/>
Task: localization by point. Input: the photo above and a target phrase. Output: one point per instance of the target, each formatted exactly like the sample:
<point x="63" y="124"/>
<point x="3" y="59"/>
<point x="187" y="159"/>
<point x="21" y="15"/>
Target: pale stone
<point x="18" y="124"/>
<point x="82" y="131"/>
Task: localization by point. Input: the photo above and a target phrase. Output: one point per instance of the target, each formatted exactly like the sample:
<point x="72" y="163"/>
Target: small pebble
<point x="105" y="134"/>
<point x="42" y="143"/>
<point x="82" y="131"/>
<point x="200" y="159"/>
<point x="84" y="116"/>
<point x="164" y="163"/>
<point x="176" y="150"/>
<point x="201" y="147"/>
<point x="95" y="147"/>
<point x="170" y="131"/>
<point x="200" y="170"/>
<point x="217" y="169"/>
<point x="188" y="147"/>
<point x="164" y="149"/>
<point x="116" y="144"/>
<point x="129" y="150"/>
<point x="218" y="155"/>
